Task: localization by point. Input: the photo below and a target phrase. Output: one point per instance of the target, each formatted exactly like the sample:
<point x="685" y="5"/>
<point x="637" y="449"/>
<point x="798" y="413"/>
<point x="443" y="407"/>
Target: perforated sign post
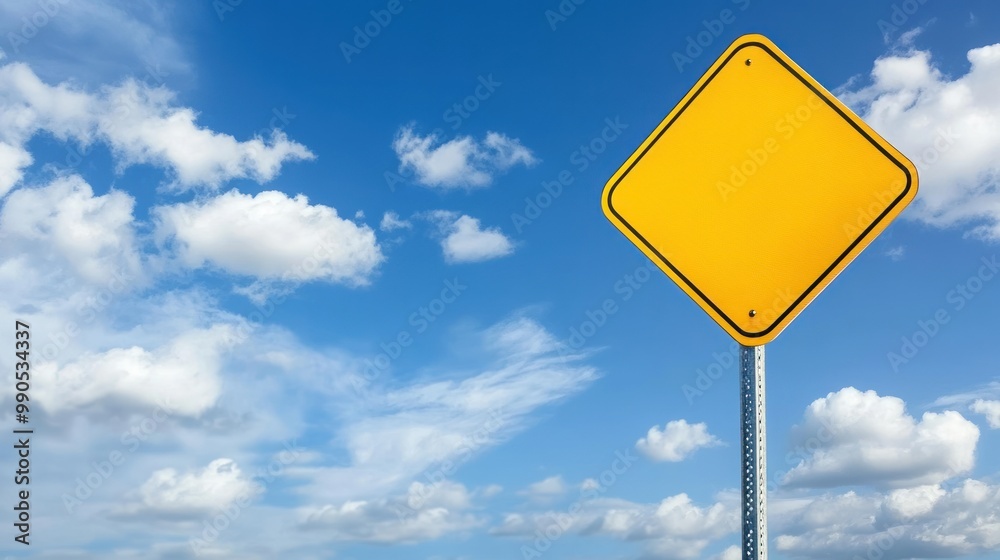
<point x="753" y="193"/>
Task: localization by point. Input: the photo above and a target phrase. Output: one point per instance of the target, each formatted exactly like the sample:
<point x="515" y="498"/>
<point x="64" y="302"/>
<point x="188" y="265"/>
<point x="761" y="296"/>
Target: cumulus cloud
<point x="183" y="376"/>
<point x="852" y="437"/>
<point x="424" y="512"/>
<point x="949" y="127"/>
<point x="676" y="441"/>
<point x="675" y="528"/>
<point x="64" y="220"/>
<point x="920" y="522"/>
<point x="144" y="125"/>
<point x="462" y="162"/>
<point x="989" y="409"/>
<point x="270" y="236"/>
<point x="464" y="240"/>
<point x="167" y="494"/>
<point x="140" y="123"/>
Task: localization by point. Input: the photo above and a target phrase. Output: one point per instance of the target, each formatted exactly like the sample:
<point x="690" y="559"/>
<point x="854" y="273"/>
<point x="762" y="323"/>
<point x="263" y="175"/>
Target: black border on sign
<point x="864" y="234"/>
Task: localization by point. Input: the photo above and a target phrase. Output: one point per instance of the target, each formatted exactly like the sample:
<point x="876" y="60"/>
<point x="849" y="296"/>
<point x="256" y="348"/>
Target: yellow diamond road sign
<point x="757" y="189"/>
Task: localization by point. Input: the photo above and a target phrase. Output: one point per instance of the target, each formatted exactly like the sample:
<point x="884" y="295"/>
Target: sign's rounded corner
<point x="750" y="39"/>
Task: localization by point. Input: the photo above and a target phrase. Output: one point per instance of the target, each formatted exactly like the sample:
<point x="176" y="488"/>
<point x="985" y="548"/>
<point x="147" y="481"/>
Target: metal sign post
<point x="754" y="453"/>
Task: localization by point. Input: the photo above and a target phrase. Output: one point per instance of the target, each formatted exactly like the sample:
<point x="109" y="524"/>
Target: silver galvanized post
<point x="754" y="458"/>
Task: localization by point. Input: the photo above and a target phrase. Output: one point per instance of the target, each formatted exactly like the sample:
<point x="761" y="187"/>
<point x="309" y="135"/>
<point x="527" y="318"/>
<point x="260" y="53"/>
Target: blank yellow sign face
<point x="757" y="189"/>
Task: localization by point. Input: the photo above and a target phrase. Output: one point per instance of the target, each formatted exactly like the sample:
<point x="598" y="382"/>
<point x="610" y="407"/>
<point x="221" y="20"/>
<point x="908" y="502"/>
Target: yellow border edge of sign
<point x="849" y="257"/>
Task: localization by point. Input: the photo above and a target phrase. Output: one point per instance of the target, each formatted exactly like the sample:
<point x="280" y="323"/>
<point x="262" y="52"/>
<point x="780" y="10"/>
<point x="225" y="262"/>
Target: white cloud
<point x="424" y="513"/>
<point x="140" y="123"/>
<point x="94" y="41"/>
<point x="466" y="241"/>
<point x="907" y="38"/>
<point x="491" y="490"/>
<point x="675" y="528"/>
<point x="676" y="442"/>
<point x="920" y="522"/>
<point x="143" y="125"/>
<point x="91" y="234"/>
<point x="192" y="496"/>
<point x="13" y="161"/>
<point x="989" y="409"/>
<point x="29" y="106"/>
<point x="459" y="163"/>
<point x="391" y="222"/>
<point x="990" y="391"/>
<point x="270" y="236"/>
<point x="852" y="437"/>
<point x="949" y="127"/>
<point x="395" y="433"/>
<point x="547" y="489"/>
<point x="183" y="377"/>
<point x="731" y="553"/>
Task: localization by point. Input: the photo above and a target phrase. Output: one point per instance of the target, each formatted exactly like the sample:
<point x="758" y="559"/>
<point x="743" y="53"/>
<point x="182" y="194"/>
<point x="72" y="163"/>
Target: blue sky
<point x="332" y="280"/>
